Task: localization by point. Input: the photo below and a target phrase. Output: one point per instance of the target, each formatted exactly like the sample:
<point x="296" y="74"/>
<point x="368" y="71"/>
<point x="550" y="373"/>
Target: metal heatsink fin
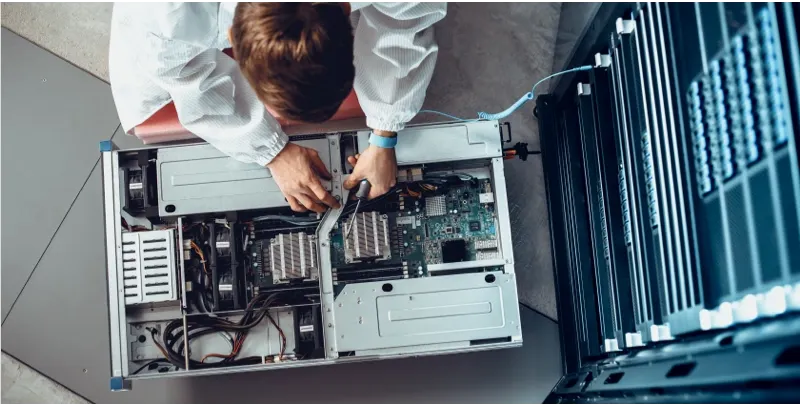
<point x="368" y="239"/>
<point x="148" y="266"/>
<point x="436" y="206"/>
<point x="293" y="256"/>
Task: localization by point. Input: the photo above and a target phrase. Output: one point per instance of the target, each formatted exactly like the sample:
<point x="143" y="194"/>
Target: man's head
<point x="297" y="56"/>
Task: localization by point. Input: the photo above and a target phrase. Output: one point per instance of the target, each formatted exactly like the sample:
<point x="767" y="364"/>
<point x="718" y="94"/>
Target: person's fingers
<point x="318" y="166"/>
<point x="295" y="205"/>
<point x="352" y="180"/>
<point x="310" y="204"/>
<point x="352" y="160"/>
<point x="376" y="192"/>
<point x="323" y="195"/>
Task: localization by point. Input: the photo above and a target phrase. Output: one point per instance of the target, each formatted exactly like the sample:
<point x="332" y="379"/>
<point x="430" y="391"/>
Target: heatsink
<point x="436" y="206"/>
<point x="293" y="256"/>
<point x="368" y="238"/>
<point x="148" y="266"/>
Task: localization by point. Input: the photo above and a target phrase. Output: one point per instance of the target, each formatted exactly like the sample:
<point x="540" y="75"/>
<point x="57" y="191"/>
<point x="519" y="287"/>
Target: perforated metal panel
<point x="148" y="266"/>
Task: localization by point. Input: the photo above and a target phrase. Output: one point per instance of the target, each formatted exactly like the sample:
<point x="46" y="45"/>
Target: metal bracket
<point x="106" y="146"/>
<point x="508" y="132"/>
<point x="119" y="384"/>
<point x="625" y="26"/>
<point x="584" y="89"/>
<point x="602" y="60"/>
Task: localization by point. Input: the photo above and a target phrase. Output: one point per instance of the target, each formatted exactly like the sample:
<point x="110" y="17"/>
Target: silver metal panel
<point x="459" y="142"/>
<point x="465" y="265"/>
<point x="53" y="117"/>
<point x="439" y="312"/>
<point x="503" y="215"/>
<point x="115" y="301"/>
<point x="326" y="278"/>
<point x="148" y="266"/>
<point x="426" y="311"/>
<point x="201" y="179"/>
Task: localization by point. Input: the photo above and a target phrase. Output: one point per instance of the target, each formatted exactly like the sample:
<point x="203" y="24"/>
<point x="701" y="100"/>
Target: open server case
<point x="209" y="271"/>
<point x="673" y="191"/>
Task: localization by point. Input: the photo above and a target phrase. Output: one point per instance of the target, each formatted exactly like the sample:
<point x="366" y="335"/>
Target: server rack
<point x="674" y="198"/>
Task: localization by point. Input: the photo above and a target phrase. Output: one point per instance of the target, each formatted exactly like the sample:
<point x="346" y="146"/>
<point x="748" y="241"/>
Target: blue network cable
<point x="514" y="107"/>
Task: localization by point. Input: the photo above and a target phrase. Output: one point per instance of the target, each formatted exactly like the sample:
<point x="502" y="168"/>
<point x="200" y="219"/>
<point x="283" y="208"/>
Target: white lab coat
<point x="162" y="52"/>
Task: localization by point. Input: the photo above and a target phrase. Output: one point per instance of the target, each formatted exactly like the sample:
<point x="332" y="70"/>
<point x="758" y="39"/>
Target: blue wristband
<point x="382" y="142"/>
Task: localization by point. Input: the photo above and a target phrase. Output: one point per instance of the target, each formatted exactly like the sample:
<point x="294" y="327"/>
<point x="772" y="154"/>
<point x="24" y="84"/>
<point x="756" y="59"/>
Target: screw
<point x="332" y="349"/>
<point x="359" y="300"/>
<point x="411" y="298"/>
<point x="360" y="320"/>
<point x="44" y="80"/>
<point x="328" y="310"/>
<point x="85" y="370"/>
<point x="335" y="170"/>
<point x="330" y="325"/>
<point x="324" y="244"/>
<point x="340" y="305"/>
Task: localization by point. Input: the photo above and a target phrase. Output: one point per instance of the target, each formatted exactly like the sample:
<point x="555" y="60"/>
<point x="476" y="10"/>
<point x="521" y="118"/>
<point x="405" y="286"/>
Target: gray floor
<point x="490" y="55"/>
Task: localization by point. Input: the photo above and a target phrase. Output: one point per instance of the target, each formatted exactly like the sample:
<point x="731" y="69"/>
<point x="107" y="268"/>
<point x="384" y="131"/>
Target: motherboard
<point x="429" y="225"/>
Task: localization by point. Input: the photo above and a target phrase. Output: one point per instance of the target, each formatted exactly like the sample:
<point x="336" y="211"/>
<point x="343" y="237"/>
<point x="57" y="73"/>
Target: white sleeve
<point x="395" y="53"/>
<point x="213" y="99"/>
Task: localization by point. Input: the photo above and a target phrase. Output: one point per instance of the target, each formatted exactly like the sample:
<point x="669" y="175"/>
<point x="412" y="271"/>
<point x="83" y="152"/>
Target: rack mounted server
<point x="674" y="199"/>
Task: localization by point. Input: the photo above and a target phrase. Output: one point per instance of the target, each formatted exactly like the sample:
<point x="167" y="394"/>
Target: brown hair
<point x="297" y="56"/>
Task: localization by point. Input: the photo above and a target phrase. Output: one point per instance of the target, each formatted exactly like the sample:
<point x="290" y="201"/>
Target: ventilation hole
<point x="142" y="338"/>
<point x="571" y="383"/>
<point x="489" y="278"/>
<point x="170" y="208"/>
<point x="387" y="287"/>
<point x="726" y="341"/>
<point x="681" y="370"/>
<point x="789" y="356"/>
<point x="614" y="378"/>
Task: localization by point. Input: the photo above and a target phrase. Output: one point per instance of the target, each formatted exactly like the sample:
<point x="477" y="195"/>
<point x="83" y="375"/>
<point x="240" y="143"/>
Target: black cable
<point x="201" y="325"/>
<point x="155" y="361"/>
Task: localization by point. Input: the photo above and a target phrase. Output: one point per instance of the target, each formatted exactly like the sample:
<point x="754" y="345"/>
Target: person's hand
<point x="378" y="166"/>
<point x="296" y="170"/>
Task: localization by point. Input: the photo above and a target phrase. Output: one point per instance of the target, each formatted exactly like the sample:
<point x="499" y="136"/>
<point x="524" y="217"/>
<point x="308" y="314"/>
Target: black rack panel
<point x="673" y="178"/>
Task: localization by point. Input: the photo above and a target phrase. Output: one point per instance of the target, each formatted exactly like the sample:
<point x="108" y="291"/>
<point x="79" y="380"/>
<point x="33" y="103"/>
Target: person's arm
<point x="395" y="54"/>
<point x="213" y="99"/>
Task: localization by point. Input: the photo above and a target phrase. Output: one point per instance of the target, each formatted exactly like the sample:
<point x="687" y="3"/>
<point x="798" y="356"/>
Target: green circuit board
<point x="456" y="225"/>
